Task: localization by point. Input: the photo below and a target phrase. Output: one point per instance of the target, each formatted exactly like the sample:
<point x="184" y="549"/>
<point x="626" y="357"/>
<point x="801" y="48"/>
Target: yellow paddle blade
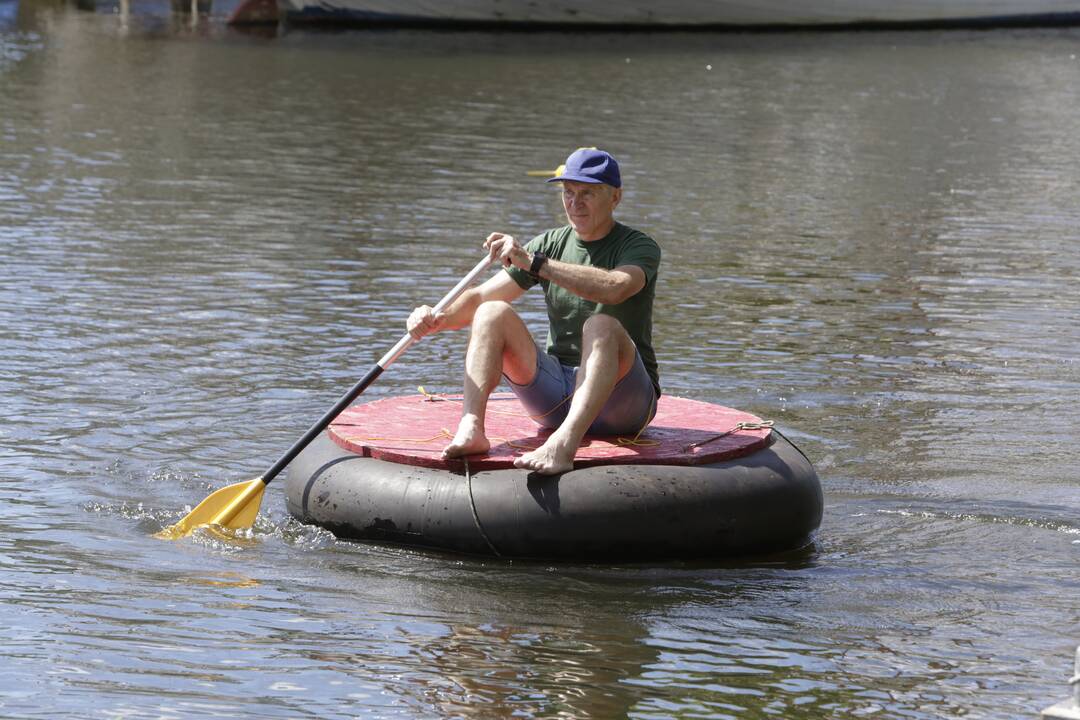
<point x="234" y="507"/>
<point x="547" y="173"/>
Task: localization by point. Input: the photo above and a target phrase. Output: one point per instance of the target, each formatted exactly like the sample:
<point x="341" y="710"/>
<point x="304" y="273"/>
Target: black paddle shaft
<point x="322" y="423"/>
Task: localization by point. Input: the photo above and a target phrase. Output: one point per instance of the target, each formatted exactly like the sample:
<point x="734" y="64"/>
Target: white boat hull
<point x="683" y="13"/>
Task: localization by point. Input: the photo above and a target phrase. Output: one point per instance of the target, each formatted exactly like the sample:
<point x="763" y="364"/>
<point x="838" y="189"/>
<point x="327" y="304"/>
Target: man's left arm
<point x="605" y="287"/>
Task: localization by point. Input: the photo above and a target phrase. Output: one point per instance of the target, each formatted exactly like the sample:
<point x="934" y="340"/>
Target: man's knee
<point x="492" y="312"/>
<point x="604" y="327"/>
<point x="605" y="334"/>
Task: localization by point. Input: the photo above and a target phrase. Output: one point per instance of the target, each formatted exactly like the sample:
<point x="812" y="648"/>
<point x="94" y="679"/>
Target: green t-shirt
<point x="567" y="312"/>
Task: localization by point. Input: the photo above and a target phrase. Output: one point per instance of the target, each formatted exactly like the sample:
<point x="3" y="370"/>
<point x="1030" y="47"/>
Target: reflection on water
<point x="868" y="238"/>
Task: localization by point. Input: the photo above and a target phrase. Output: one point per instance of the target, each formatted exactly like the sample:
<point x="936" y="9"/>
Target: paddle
<point x="236" y="506"/>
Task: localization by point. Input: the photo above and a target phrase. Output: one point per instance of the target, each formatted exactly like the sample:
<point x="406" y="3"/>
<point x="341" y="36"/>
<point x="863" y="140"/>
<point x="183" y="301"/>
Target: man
<point x="598" y="372"/>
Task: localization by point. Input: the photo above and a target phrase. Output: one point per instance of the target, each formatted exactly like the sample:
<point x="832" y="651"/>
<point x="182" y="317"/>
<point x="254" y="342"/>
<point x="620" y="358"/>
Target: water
<point x="871" y="239"/>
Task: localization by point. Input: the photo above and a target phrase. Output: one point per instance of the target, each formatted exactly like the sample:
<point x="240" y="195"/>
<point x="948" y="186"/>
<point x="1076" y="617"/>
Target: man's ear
<point x="616" y="198"/>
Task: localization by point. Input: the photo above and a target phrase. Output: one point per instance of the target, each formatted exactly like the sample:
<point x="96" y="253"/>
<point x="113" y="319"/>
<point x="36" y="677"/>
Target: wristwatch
<point x="538" y="261"/>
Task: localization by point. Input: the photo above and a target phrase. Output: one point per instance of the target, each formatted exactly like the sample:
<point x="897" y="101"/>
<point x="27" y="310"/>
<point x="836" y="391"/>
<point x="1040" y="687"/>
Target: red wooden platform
<point x="414" y="429"/>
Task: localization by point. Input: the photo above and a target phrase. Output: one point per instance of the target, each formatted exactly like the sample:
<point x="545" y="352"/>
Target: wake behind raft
<point x="702" y="481"/>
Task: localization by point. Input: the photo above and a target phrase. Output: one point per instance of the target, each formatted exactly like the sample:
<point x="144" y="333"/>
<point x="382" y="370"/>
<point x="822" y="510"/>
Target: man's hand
<point x="504" y="248"/>
<point x="425" y="321"/>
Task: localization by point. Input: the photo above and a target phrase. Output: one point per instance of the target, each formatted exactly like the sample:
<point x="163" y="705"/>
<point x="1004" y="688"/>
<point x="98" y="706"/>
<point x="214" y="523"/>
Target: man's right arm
<point x="423" y="321"/>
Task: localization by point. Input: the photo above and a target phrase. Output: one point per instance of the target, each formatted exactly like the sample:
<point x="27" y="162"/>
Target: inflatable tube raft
<point x="703" y="481"/>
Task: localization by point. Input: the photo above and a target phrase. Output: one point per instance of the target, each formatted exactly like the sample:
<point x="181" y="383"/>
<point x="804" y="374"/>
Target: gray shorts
<point x="630" y="408"/>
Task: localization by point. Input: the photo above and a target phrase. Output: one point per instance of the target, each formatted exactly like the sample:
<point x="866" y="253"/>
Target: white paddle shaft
<point x="407" y="340"/>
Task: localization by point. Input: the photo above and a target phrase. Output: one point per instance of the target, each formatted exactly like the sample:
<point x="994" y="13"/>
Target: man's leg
<point x="499" y="343"/>
<point x="607" y="354"/>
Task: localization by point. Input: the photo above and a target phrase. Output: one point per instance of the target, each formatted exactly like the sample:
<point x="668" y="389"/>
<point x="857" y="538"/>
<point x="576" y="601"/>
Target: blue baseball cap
<point x="589" y="165"/>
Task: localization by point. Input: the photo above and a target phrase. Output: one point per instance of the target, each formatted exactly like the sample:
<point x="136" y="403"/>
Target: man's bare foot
<point x="469" y="439"/>
<point x="553" y="457"/>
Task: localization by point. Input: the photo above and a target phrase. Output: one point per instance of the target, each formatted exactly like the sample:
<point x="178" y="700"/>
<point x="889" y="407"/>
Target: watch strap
<point x="538" y="260"/>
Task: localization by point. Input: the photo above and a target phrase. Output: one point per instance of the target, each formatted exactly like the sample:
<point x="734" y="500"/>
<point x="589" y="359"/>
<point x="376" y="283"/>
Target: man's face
<point x="590" y="207"/>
